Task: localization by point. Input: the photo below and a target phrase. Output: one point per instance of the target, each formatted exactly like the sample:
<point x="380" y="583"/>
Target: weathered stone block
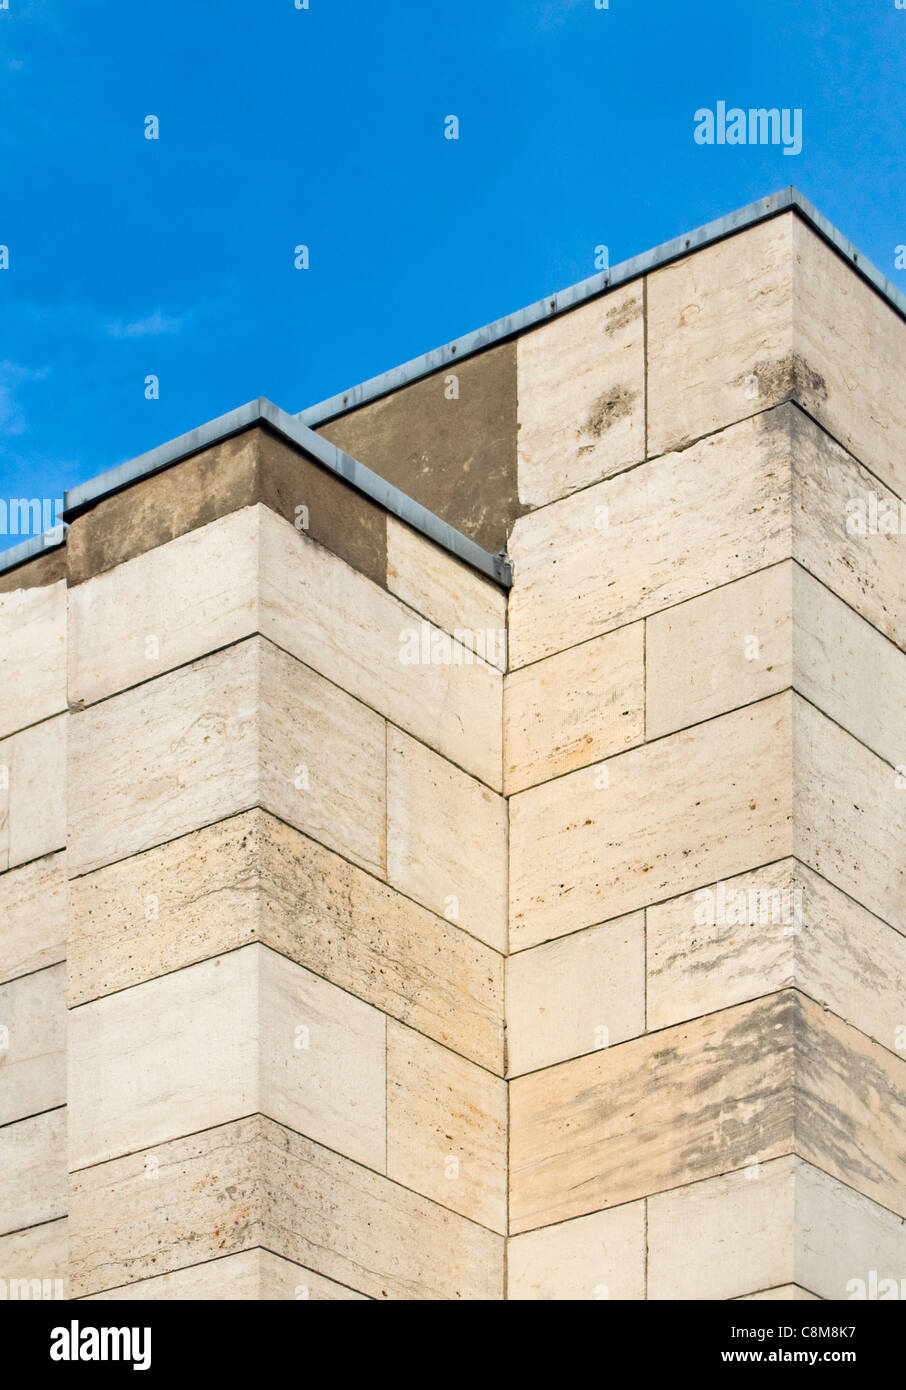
<point x="581" y="396"/>
<point x="574" y="708"/>
<point x="446" y="839"/>
<point x="33" y="1044"/>
<point x="575" y="995"/>
<point x="253" y="1183"/>
<point x="32" y="655"/>
<point x="446" y="1127"/>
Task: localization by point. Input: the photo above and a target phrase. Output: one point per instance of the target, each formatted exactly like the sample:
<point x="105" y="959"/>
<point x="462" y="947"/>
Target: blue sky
<point x="281" y="126"/>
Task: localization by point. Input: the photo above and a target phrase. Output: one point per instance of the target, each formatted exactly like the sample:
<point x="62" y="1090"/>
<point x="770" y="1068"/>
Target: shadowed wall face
<point x="359" y="920"/>
<point x="449" y="441"/>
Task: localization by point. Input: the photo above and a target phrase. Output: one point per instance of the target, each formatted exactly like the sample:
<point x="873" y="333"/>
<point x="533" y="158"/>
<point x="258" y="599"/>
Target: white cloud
<point x="154" y="326"/>
<point x="12" y="376"/>
<point x="554" y="13"/>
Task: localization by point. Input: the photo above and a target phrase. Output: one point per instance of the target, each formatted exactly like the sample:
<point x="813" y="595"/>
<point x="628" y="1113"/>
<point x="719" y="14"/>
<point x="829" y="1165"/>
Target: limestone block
<point x="32" y="655"/>
<point x="601" y="1256"/>
<point x="34" y="915"/>
<point x="164" y="758"/>
<point x="322" y="1060"/>
<point x="574" y="708"/>
<point x="779" y="926"/>
<point x="776" y="628"/>
<point x="850" y="1106"/>
<point x="363" y="639"/>
<point x="254" y="878"/>
<point x="840" y="512"/>
<point x="323" y="760"/>
<point x="446" y="839"/>
<point x="367" y="938"/>
<point x="850" y="814"/>
<point x="244" y="1032"/>
<point x="751" y="1083"/>
<point x="169" y="907"/>
<point x="254" y="1183"/>
<point x="33" y="792"/>
<point x="718" y="651"/>
<point x="855" y="343"/>
<point x="32" y="1044"/>
<point x="581" y="389"/>
<point x="848" y="669"/>
<point x="649" y="538"/>
<point x="656" y="1112"/>
<point x="721" y="336"/>
<point x="755" y="494"/>
<point x="575" y="995"/>
<point x="166" y="1058"/>
<point x="447" y="592"/>
<point x="167" y="607"/>
<point x="725" y="1236"/>
<point x="37" y="1253"/>
<point x="785" y="1228"/>
<point x="148" y="1214"/>
<point x="249" y="1275"/>
<point x="33" y="1170"/>
<point x="244" y="726"/>
<point x="446" y="1127"/>
<point x="587" y="847"/>
<point x="842" y="1237"/>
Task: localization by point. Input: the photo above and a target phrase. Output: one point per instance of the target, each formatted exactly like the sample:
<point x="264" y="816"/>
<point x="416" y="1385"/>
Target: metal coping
<point x="289" y="428"/>
<point x="297" y="429"/>
<point x="17" y="555"/>
<point x="512" y="324"/>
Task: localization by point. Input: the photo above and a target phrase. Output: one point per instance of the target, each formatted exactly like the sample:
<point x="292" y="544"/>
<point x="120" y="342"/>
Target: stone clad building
<point x="452" y="840"/>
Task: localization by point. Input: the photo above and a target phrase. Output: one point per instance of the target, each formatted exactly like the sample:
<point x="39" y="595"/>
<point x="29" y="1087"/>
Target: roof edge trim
<point x="293" y="431"/>
<point x="16" y="555"/>
<point x="787" y="199"/>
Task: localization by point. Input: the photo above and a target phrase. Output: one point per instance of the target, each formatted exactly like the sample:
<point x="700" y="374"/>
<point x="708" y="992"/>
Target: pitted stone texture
<point x="253" y="1183"/>
<point x="254" y="878"/>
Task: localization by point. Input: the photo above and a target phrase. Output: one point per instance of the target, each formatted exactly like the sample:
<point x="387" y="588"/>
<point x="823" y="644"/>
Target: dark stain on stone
<point x="622" y="314"/>
<point x="612" y="406"/>
<point x="787" y="378"/>
<point x="252" y="467"/>
<point x="159" y="508"/>
<point x="48" y="568"/>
